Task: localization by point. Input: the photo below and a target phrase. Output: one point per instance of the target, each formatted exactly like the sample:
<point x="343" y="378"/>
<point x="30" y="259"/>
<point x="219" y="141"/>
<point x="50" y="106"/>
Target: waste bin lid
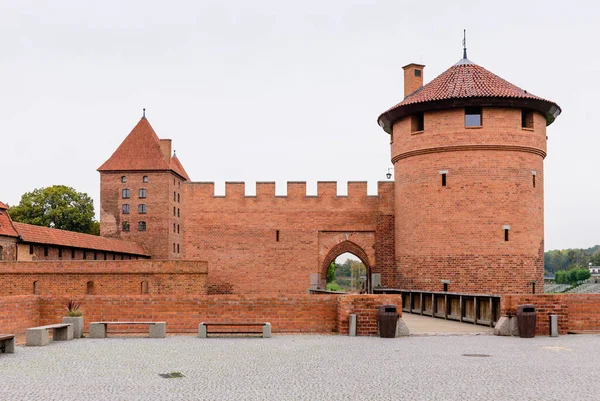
<point x="525" y="308"/>
<point x="388" y="308"/>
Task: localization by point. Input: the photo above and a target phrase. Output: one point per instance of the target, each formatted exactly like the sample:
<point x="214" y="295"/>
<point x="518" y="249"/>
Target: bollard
<point x="352" y="325"/>
<point x="553" y="325"/>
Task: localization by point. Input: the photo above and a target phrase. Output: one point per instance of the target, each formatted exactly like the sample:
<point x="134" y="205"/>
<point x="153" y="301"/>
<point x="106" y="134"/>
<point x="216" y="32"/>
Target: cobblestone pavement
<point x="306" y="367"/>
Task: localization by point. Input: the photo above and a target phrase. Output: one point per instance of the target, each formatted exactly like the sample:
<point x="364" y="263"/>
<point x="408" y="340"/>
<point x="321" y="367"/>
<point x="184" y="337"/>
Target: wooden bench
<point x="7" y="343"/>
<point x="37" y="336"/>
<point x="157" y="329"/>
<point x="203" y="328"/>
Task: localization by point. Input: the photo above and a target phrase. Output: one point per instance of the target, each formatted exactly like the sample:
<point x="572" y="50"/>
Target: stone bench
<point x="7" y="343"/>
<point x="40" y="335"/>
<point x="157" y="329"/>
<point x="203" y="328"/>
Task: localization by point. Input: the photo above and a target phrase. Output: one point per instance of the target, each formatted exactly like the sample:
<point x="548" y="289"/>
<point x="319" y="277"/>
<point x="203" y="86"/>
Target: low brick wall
<point x="130" y="277"/>
<point x="366" y="309"/>
<point x="576" y="312"/>
<point x="17" y="313"/>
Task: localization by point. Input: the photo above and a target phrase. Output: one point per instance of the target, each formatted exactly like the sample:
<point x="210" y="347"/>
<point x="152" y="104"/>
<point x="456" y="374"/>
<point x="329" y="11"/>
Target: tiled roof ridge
<point x="7" y="227"/>
<point x="54" y="236"/>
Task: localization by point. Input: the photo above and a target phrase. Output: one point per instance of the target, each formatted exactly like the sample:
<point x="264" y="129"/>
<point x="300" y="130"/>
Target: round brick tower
<point x="468" y="151"/>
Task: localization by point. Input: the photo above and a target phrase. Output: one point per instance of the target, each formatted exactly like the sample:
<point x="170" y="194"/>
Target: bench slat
<point x="126" y="322"/>
<point x="233" y="324"/>
<point x="6" y="336"/>
<point x="51" y="326"/>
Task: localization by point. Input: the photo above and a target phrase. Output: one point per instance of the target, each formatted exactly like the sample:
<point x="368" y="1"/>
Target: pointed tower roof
<point x="467" y="84"/>
<point x="141" y="150"/>
<point x="6" y="225"/>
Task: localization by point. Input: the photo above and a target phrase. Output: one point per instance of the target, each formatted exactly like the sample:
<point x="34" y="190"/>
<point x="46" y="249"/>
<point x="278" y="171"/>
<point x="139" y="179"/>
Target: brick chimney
<point x="413" y="77"/>
<point x="165" y="148"/>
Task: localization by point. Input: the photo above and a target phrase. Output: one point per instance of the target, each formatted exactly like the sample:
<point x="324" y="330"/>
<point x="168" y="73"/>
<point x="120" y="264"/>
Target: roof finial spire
<point x="464" y="43"/>
<point x="144" y="113"/>
<point x="174" y="155"/>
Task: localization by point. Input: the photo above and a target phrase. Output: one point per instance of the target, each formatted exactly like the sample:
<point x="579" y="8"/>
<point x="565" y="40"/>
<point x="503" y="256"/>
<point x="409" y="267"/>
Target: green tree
<point x="331" y="272"/>
<point x="583" y="274"/>
<point x="57" y="206"/>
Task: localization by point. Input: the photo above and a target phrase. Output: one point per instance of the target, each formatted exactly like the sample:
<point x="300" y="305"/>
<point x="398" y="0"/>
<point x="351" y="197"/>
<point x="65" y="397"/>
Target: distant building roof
<point x="141" y="151"/>
<point x="53" y="236"/>
<point x="465" y="84"/>
<point x="6" y="225"/>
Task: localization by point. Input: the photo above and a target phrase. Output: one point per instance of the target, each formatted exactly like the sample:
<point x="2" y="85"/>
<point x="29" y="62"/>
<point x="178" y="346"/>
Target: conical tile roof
<point x="463" y="84"/>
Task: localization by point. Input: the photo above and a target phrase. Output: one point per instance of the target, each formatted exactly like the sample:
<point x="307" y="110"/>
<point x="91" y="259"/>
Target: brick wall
<point x="456" y="232"/>
<point x="118" y="278"/>
<point x="9" y="248"/>
<point x="366" y="308"/>
<point x="267" y="244"/>
<point x="164" y="200"/>
<point x="18" y="313"/>
<point x="576" y="312"/>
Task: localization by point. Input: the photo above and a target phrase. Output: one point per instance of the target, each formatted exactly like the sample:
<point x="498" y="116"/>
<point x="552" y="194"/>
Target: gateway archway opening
<point x="346" y="268"/>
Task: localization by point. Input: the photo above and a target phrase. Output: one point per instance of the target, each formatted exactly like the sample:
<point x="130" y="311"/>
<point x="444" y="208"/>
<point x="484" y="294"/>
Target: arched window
<point x="144" y="287"/>
<point x="89" y="290"/>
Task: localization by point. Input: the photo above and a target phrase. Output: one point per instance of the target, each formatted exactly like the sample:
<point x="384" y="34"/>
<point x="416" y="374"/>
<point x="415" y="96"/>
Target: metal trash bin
<point x="526" y="320"/>
<point x="388" y="319"/>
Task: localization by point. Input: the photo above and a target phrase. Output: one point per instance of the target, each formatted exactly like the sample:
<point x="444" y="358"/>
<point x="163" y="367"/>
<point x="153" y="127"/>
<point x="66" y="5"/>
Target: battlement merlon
<point x="295" y="190"/>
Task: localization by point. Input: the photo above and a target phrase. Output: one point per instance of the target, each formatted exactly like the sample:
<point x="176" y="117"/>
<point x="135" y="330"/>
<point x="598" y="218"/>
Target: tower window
<point x="174" y="225"/>
<point x="178" y="215"/>
<point x="45" y="251"/>
<point x="417" y="122"/>
<point x="417" y="73"/>
<point x="31" y="249"/>
<point x="444" y="173"/>
<point x="533" y="174"/>
<point x="123" y="178"/>
<point x="145" y="178"/>
<point x="84" y="255"/>
<point x="126" y="208"/>
<point x="142" y="208"/>
<point x="142" y="193"/>
<point x="177" y="228"/>
<point x="178" y="198"/>
<point x="506" y="230"/>
<point x="142" y="226"/>
<point x="126" y="226"/>
<point x="95" y="255"/>
<point x="473" y="117"/>
<point x="173" y="247"/>
<point x="126" y="193"/>
<point x="527" y="119"/>
<point x="177" y="248"/>
<point x="174" y="211"/>
<point x="174" y="196"/>
<point x="72" y="253"/>
<point x="277" y="235"/>
<point x="60" y="252"/>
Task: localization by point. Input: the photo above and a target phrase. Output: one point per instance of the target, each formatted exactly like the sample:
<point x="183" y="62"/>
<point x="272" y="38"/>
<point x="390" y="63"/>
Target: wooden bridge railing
<point x="480" y="309"/>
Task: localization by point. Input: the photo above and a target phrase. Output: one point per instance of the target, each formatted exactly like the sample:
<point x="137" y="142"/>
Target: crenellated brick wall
<point x="268" y="244"/>
<point x="576" y="312"/>
<point x="174" y="277"/>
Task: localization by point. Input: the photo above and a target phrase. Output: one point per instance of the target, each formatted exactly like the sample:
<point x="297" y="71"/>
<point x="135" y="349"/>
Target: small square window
<point x="142" y="208"/>
<point x="145" y="178"/>
<point x="123" y="178"/>
<point x="142" y="226"/>
<point x="125" y="193"/>
<point x="126" y="226"/>
<point x="473" y="117"/>
<point x="417" y="73"/>
<point x="417" y="122"/>
<point x="126" y="208"/>
<point x="142" y="193"/>
<point x="527" y="119"/>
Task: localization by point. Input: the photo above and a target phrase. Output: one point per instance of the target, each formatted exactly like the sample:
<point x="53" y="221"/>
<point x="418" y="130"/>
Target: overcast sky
<point x="281" y="91"/>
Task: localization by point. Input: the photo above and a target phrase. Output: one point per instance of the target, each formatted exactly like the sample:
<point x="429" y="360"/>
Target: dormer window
<point x="473" y="117"/>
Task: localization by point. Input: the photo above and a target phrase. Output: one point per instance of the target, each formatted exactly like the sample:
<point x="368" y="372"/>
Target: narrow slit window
<point x="177" y="248"/>
<point x="173" y="247"/>
<point x="30" y="249"/>
<point x="527" y="119"/>
<point x="89" y="288"/>
<point x="177" y="228"/>
<point x="84" y="255"/>
<point x="417" y="122"/>
<point x="95" y="256"/>
<point x="60" y="252"/>
<point x="36" y="288"/>
<point x="443" y="179"/>
<point x="72" y="253"/>
<point x="506" y="230"/>
<point x="277" y="235"/>
<point x="174" y="225"/>
<point x="45" y="251"/>
<point x="533" y="174"/>
<point x="473" y="117"/>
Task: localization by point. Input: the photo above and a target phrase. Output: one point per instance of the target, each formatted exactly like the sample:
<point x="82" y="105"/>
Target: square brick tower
<point x="140" y="193"/>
